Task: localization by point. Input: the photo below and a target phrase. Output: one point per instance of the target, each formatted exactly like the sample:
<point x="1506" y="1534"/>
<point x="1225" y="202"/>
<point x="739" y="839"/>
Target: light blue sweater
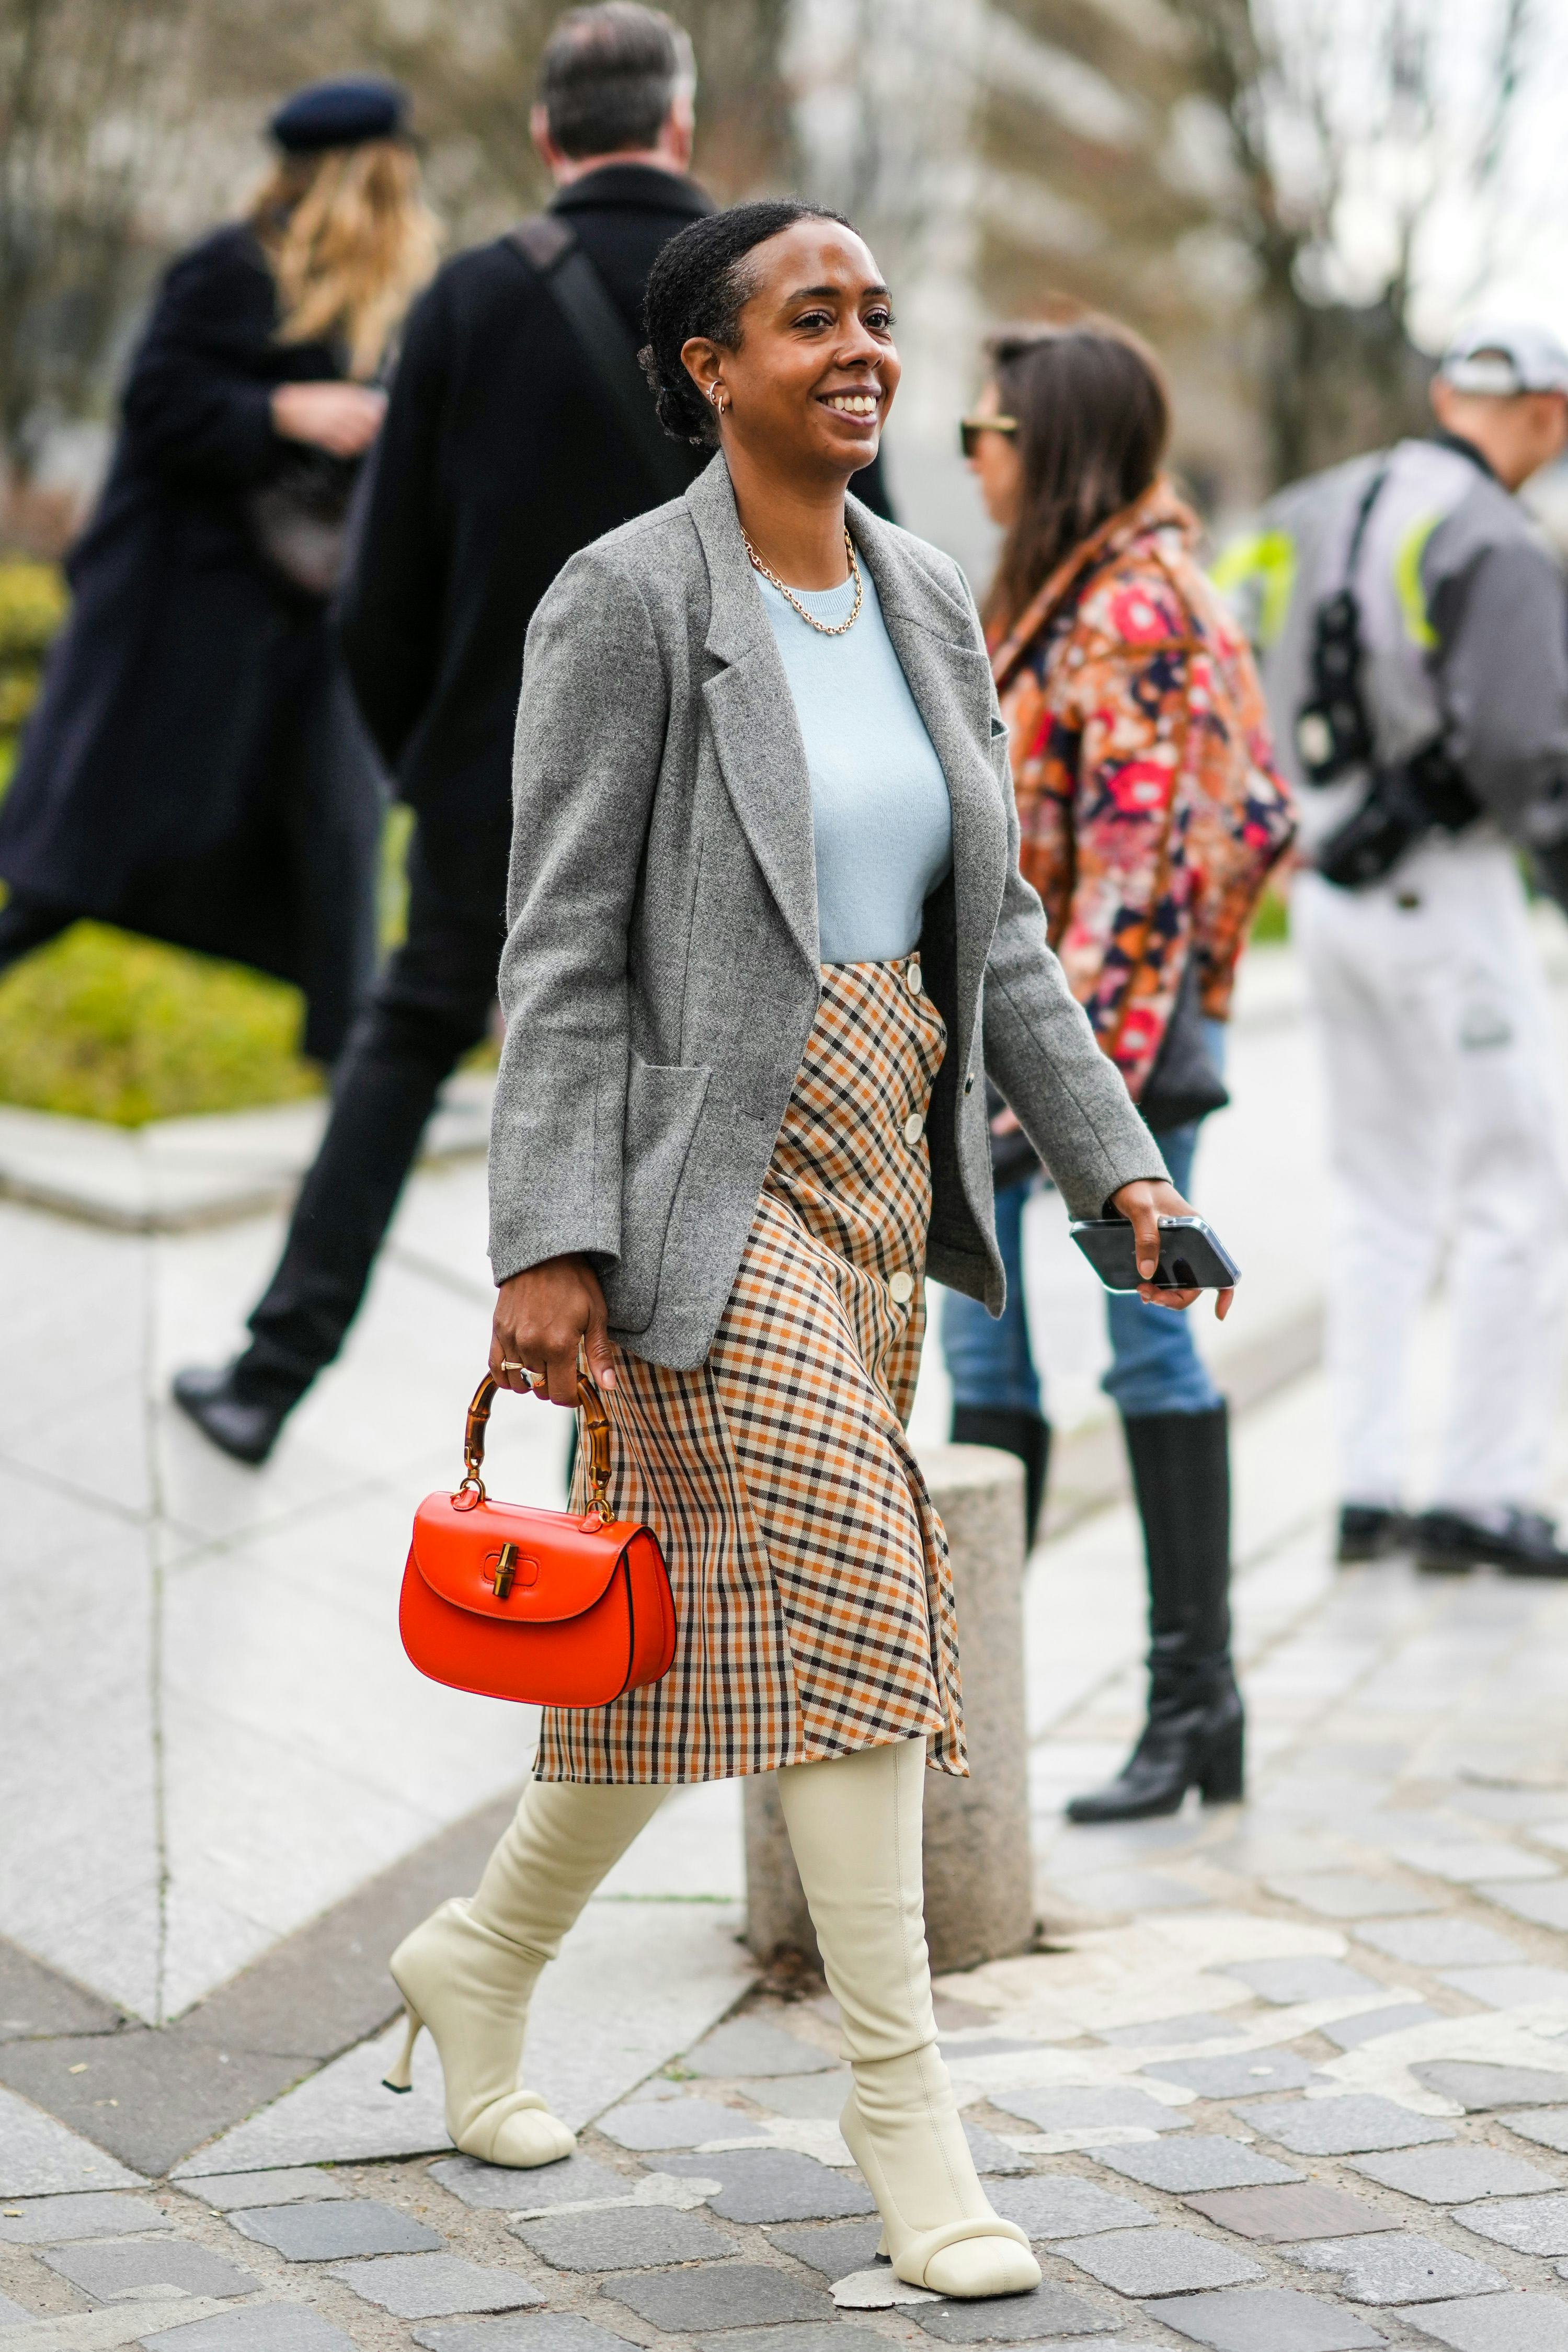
<point x="879" y="812"/>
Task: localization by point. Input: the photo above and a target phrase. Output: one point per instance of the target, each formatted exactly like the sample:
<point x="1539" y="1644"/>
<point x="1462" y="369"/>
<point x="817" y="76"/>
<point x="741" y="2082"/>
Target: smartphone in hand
<point x="1191" y="1257"/>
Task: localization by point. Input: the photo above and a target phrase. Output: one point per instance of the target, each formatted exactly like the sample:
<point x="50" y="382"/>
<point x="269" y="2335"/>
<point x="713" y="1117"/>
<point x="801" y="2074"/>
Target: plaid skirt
<point x="813" y="1595"/>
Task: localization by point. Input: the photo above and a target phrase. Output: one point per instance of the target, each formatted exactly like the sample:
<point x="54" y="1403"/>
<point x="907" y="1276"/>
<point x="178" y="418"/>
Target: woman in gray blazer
<point x="767" y="937"/>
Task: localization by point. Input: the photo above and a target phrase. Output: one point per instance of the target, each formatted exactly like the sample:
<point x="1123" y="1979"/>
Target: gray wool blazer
<point x="660" y="975"/>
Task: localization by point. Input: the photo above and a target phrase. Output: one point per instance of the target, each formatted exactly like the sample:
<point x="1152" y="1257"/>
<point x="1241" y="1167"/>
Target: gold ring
<point x="512" y="1368"/>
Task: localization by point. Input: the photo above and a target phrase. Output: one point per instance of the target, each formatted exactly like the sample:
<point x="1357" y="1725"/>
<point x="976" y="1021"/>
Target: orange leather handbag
<point x="540" y="1605"/>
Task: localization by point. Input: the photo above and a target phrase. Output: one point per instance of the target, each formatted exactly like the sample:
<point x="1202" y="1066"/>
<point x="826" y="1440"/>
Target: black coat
<point x="195" y="768"/>
<point x="496" y="464"/>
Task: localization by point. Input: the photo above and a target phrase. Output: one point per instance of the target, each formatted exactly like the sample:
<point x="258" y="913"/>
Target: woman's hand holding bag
<point x="545" y="1318"/>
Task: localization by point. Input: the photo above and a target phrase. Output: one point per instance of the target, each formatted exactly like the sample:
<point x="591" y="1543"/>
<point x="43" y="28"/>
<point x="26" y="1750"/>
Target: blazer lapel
<point x="755" y="733"/>
<point x="940" y="651"/>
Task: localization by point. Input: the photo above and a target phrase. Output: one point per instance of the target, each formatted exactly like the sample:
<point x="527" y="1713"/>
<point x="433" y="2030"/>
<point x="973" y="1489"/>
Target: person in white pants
<point x="1445" y="1142"/>
<point x="1413" y="629"/>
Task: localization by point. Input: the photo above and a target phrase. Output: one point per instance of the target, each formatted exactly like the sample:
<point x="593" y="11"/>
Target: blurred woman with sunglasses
<point x="195" y="769"/>
<point x="1151" y="814"/>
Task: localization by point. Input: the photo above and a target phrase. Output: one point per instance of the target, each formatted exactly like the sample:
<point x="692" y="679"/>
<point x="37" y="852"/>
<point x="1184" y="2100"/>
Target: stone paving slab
<point x="1545" y="1903"/>
<point x="1266" y="2319"/>
<point x="992" y="2155"/>
<point x="576" y="2180"/>
<point x="878" y="2288"/>
<point x="1050" y="2311"/>
<point x="1241" y="2076"/>
<point x="1159" y="2261"/>
<point x="236" y="2192"/>
<point x="1548" y="2128"/>
<point x="1354" y="2125"/>
<point x="1287" y="1982"/>
<point x="332" y="2232"/>
<point x="729" y="2295"/>
<point x="259" y="2327"/>
<point x="1531" y="2225"/>
<point x="627" y="2239"/>
<point x="1207" y="2161"/>
<point x="837" y="2248"/>
<point x="1513" y="2323"/>
<point x="1509" y="1988"/>
<point x="41" y="2158"/>
<point x="1091" y="2110"/>
<point x="119" y="2267"/>
<point x="429" y="2286"/>
<point x="1348" y="1895"/>
<point x="542" y="2331"/>
<point x="821" y="2096"/>
<point x="1059" y="2205"/>
<point x="749" y="2046"/>
<point x="1455" y="2175"/>
<point x="1372" y="2024"/>
<point x="1480" y="2089"/>
<point x="840" y="2336"/>
<point x="1438" y="1943"/>
<point x="1399" y="2266"/>
<point x="1307" y="2208"/>
<point x="54" y="2221"/>
<point x="651" y="2125"/>
<point x="775" y="2184"/>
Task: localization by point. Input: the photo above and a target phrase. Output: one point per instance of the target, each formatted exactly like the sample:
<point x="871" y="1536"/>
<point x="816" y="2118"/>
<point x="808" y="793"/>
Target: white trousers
<point x="1445" y="1130"/>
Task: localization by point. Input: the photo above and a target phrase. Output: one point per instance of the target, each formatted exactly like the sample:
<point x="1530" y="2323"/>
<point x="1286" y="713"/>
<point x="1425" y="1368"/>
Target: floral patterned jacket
<point x="1150" y="806"/>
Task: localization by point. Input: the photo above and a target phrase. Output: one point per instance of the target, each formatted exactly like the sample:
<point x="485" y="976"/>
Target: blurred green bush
<point x="32" y="606"/>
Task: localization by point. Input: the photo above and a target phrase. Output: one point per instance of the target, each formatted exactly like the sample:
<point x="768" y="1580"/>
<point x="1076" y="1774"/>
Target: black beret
<point x="341" y="113"/>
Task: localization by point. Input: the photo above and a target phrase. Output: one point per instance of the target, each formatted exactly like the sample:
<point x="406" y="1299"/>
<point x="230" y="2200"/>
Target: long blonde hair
<point x="350" y="241"/>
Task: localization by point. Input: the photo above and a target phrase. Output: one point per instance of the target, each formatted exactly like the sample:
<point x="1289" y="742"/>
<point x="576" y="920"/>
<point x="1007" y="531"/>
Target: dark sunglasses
<point x="971" y="428"/>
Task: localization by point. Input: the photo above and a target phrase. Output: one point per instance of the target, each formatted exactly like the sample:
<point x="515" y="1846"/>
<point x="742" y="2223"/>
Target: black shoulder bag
<point x="550" y="247"/>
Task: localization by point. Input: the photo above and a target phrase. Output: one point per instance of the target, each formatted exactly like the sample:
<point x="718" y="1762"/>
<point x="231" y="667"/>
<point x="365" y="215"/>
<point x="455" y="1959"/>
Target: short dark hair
<point x="1093" y="422"/>
<point x="699" y="286"/>
<point x="610" y="75"/>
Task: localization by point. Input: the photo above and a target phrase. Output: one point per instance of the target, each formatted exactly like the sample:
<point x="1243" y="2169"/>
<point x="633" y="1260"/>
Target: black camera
<point x="1333" y="735"/>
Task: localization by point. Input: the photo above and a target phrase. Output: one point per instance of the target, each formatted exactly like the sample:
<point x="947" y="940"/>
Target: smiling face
<point x="808" y="388"/>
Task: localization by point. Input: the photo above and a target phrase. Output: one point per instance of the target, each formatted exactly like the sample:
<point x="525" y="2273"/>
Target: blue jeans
<point x="1155" y="1366"/>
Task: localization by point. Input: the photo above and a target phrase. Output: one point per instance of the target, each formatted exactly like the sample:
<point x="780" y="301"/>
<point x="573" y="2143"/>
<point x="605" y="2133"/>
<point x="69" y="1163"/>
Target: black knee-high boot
<point x="1196" y="1731"/>
<point x="1027" y="1434"/>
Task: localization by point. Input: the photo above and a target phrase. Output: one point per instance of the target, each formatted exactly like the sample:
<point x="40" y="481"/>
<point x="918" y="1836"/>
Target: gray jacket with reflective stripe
<point x="1464" y="623"/>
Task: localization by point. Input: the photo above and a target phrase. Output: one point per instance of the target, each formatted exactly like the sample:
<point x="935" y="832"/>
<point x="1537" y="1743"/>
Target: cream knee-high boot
<point x="855" y="1824"/>
<point x="468" y="1972"/>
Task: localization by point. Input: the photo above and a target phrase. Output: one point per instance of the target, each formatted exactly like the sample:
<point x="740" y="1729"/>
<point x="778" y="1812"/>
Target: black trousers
<point x="431" y="1005"/>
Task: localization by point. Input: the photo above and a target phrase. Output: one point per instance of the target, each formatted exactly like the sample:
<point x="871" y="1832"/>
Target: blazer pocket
<point x="664" y="1105"/>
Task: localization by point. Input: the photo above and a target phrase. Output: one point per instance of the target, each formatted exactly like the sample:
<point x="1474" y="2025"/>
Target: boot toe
<point x="982" y="2266"/>
<point x="531" y="2137"/>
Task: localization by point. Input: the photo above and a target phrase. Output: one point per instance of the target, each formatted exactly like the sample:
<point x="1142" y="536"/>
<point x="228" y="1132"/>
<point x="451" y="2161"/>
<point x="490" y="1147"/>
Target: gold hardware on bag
<point x="470" y="1493"/>
<point x="504" y="1569"/>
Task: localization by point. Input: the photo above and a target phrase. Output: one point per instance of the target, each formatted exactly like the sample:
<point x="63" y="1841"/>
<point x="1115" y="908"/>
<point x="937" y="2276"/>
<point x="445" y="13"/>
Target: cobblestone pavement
<point x="1289" y="2077"/>
<point x="1286" y="2078"/>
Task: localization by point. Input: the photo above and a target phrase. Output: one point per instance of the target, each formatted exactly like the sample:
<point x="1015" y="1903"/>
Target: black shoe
<point x="1521" y="1543"/>
<point x="1195" y="1734"/>
<point x="1366" y="1531"/>
<point x="1011" y="1432"/>
<point x="241" y="1426"/>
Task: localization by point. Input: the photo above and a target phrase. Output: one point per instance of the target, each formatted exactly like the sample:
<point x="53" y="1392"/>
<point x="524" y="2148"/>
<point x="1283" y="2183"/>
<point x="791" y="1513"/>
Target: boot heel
<point x="1221" y="1781"/>
<point x="402" y="2075"/>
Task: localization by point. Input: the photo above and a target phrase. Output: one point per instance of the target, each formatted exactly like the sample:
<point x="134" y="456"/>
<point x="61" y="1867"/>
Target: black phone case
<point x="1191" y="1258"/>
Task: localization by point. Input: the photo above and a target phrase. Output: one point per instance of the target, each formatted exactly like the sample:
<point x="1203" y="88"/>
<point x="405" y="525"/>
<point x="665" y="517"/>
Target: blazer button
<point x="901" y="1287"/>
<point x="969" y="1084"/>
<point x="913" y="979"/>
<point x="913" y="1128"/>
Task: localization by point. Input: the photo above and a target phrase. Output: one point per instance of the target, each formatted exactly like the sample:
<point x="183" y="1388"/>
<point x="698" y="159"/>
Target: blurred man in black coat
<point x="504" y="451"/>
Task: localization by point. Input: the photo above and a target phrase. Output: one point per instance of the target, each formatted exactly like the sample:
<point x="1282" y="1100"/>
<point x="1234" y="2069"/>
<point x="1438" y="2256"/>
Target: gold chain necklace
<point x="837" y="629"/>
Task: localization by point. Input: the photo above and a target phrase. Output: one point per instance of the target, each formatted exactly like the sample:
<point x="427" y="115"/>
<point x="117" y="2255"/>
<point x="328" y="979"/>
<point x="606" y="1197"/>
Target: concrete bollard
<point x="979" y="1900"/>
